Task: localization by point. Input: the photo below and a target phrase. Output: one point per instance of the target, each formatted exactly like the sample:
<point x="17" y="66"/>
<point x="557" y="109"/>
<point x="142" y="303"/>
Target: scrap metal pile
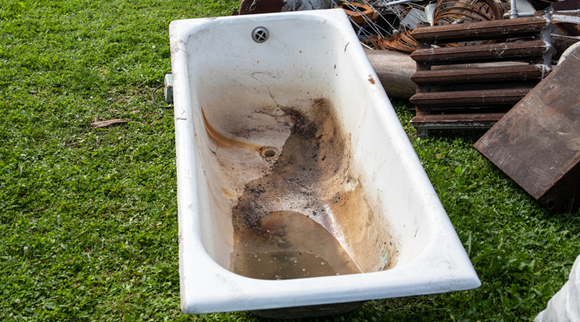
<point x="388" y="25"/>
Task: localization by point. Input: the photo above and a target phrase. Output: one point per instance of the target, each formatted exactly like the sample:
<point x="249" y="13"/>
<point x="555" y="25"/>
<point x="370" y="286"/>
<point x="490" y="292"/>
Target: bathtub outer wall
<point x="317" y="54"/>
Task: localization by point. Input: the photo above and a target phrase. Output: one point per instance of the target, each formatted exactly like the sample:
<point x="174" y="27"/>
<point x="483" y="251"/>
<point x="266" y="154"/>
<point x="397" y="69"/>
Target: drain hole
<point x="268" y="153"/>
<point x="260" y="34"/>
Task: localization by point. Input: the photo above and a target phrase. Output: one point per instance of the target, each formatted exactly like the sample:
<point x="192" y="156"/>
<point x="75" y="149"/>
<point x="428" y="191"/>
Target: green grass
<point x="88" y="218"/>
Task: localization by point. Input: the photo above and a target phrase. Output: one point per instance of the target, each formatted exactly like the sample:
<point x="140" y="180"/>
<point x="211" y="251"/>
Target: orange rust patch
<point x="371" y="80"/>
<point x="223" y="141"/>
<point x="271" y="224"/>
<point x="228" y="194"/>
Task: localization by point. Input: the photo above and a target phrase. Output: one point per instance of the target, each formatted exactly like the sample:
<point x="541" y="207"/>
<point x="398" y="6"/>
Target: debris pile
<point x="480" y="64"/>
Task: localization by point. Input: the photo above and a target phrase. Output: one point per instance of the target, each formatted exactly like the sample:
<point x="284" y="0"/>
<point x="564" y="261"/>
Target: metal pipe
<point x="393" y="3"/>
<point x="520" y="15"/>
<point x="513" y="10"/>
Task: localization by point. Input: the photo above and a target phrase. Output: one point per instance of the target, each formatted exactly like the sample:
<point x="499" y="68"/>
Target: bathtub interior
<point x="245" y="100"/>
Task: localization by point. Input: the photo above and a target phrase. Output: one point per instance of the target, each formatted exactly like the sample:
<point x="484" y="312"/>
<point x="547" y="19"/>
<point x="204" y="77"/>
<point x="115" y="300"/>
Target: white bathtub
<point x="243" y="112"/>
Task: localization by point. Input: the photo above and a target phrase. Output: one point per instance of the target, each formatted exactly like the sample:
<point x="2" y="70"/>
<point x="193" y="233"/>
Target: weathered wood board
<point x="537" y="143"/>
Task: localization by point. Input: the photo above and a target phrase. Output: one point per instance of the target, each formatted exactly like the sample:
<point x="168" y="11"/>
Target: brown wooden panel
<point x="537" y="143"/>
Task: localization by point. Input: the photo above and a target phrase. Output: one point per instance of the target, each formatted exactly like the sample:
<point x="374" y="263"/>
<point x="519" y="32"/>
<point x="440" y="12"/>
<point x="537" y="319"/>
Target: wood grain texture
<point x="537" y="143"/>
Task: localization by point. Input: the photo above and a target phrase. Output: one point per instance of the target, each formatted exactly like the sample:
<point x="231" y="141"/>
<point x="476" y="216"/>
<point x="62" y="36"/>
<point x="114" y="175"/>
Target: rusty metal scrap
<point x="446" y="12"/>
<point x="456" y="121"/>
<point x="359" y="12"/>
<point x="496" y="29"/>
<point x="486" y="52"/>
<point x="485" y="87"/>
<point x="493" y="97"/>
<point x="477" y="75"/>
<point x="456" y="11"/>
<point x="401" y="42"/>
<point x="567" y="23"/>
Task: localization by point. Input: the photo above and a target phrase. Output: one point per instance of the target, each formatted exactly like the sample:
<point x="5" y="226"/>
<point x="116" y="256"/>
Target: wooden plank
<point x="482" y="30"/>
<point x="493" y="97"/>
<point x="487" y="52"/>
<point x="480" y="75"/>
<point x="537" y="143"/>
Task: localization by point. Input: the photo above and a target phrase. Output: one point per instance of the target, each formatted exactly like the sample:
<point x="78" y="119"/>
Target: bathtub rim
<point x="207" y="287"/>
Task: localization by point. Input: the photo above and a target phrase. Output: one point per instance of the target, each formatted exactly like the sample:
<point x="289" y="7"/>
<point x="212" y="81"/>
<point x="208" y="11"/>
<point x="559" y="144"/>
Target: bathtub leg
<point x="423" y="133"/>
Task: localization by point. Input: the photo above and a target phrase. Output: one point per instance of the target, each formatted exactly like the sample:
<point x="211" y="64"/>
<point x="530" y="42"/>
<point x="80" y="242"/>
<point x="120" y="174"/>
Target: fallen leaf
<point x="109" y="123"/>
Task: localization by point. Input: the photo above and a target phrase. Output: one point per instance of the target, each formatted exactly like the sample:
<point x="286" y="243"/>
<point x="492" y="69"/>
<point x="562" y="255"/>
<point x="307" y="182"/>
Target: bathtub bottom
<point x="290" y="245"/>
<point x="310" y="311"/>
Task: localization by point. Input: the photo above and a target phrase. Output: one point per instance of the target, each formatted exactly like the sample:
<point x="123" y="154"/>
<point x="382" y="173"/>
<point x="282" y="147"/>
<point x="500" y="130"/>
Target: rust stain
<point x="223" y="141"/>
<point x="228" y="193"/>
<point x="371" y="80"/>
<point x="272" y="223"/>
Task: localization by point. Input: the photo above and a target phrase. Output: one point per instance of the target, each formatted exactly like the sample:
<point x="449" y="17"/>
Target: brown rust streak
<point x="229" y="194"/>
<point x="223" y="141"/>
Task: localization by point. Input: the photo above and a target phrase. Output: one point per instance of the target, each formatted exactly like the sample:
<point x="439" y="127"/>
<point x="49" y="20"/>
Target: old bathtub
<point x="289" y="154"/>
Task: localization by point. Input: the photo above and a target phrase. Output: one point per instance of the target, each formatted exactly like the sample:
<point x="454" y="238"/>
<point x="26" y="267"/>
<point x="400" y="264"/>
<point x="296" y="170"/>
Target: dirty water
<point x="290" y="245"/>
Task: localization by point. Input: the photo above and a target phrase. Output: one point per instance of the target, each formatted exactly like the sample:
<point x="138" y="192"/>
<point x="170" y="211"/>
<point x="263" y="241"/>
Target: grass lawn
<point x="88" y="217"/>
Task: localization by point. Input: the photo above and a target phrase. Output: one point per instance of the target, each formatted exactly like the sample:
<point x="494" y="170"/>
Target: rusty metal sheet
<point x="537" y="143"/>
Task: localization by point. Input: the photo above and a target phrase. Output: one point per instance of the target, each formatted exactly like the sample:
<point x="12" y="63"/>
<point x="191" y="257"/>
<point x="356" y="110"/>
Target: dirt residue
<point x="312" y="176"/>
<point x="311" y="157"/>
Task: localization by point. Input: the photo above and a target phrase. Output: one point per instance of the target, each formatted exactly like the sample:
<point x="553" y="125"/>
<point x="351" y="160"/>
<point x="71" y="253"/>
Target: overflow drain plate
<point x="260" y="34"/>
